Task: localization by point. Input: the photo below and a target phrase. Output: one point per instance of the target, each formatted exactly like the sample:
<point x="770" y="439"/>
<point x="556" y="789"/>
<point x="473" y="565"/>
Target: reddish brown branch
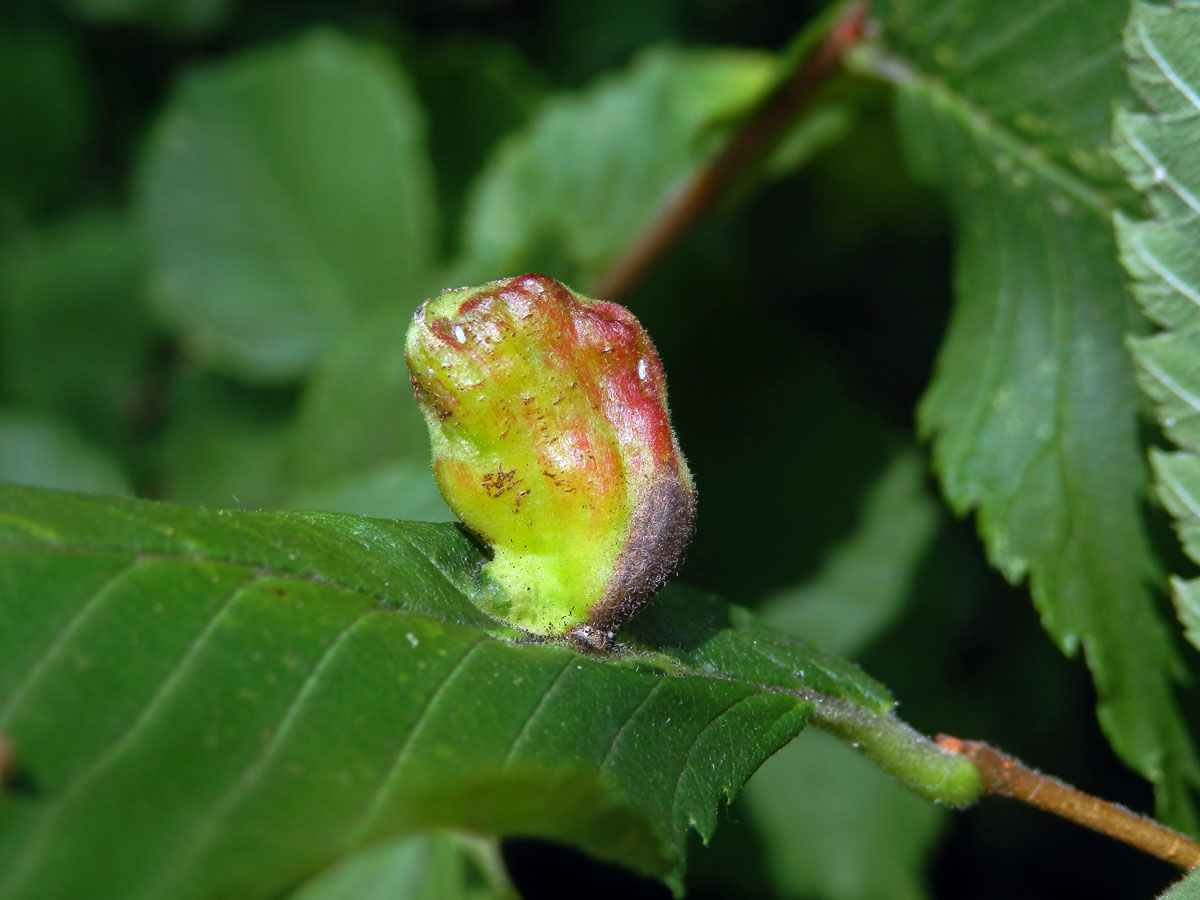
<point x="1004" y="776"/>
<point x="748" y="144"/>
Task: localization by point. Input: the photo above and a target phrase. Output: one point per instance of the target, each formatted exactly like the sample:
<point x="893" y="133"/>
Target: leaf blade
<point x="276" y="223"/>
<point x="1156" y="147"/>
<point x="155" y="763"/>
<point x="1032" y="412"/>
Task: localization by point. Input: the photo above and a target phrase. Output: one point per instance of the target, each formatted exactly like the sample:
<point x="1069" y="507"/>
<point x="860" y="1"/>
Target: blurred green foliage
<point x="217" y="218"/>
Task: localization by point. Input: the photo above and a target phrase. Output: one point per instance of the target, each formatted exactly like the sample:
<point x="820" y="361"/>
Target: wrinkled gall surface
<point x="547" y="413"/>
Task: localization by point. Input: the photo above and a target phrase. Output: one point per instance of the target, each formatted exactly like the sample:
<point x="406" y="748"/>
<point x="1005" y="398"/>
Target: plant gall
<point x="551" y="440"/>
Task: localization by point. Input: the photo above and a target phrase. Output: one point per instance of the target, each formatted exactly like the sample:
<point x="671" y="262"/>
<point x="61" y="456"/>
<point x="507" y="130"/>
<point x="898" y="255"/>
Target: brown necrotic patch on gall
<point x="498" y="483"/>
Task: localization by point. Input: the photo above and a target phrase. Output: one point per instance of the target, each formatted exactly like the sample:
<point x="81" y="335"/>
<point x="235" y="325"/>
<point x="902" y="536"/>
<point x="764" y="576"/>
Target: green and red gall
<point x="552" y="441"/>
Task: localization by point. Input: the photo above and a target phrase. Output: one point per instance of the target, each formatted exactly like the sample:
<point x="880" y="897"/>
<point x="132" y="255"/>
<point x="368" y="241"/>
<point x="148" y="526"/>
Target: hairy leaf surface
<point x="75" y="336"/>
<point x="217" y="704"/>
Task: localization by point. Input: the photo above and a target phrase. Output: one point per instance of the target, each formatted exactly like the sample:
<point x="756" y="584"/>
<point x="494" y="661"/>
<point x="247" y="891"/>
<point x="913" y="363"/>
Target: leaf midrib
<point x="201" y="831"/>
<point x="883" y="63"/>
<point x="260" y="571"/>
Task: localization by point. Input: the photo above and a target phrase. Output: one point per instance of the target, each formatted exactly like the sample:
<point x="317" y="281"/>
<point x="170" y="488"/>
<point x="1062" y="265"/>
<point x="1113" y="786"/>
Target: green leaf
<point x="224" y="444"/>
<point x="286" y="193"/>
<point x="565" y="195"/>
<point x="180" y="685"/>
<point x="403" y="487"/>
<point x="1158" y="149"/>
<point x="360" y="444"/>
<point x="39" y="450"/>
<point x="435" y="866"/>
<point x="1033" y="407"/>
<point x="1187" y="888"/>
<point x="74" y="338"/>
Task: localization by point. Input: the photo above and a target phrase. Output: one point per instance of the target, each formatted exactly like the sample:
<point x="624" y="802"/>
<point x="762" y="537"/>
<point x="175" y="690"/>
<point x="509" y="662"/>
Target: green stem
<point x="902" y="752"/>
<point x="956" y="773"/>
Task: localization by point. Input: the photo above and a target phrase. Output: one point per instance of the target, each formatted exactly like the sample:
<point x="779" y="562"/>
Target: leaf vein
<point x="205" y="829"/>
<point x="801" y="690"/>
<point x="1160" y="173"/>
<point x="612" y="745"/>
<point x="1083" y="66"/>
<point x="685" y="767"/>
<point x="1165" y="273"/>
<point x="300" y="574"/>
<point x="1185" y="496"/>
<point x="978" y="123"/>
<point x="46" y="657"/>
<point x="375" y="802"/>
<point x="1006" y="37"/>
<point x="1168" y="382"/>
<point x="537" y="708"/>
<point x="41" y="827"/>
<point x="1165" y="67"/>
